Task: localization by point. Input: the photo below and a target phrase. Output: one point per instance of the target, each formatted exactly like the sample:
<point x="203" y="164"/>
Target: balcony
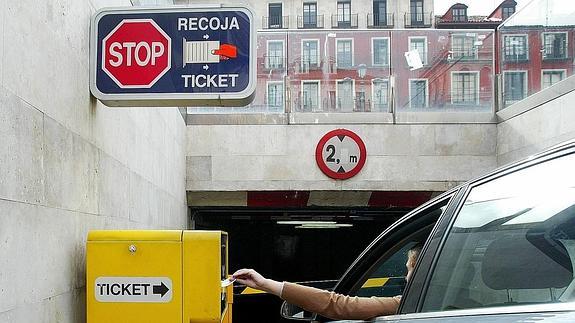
<point x="306" y="65"/>
<point x="310" y="22"/>
<point x="380" y="21"/>
<point x="464" y="53"/>
<point x="359" y="103"/>
<point x="552" y="52"/>
<point x="418" y="19"/>
<point x="339" y="21"/>
<point x="512" y="57"/>
<point x="275" y="22"/>
<point x="271" y="62"/>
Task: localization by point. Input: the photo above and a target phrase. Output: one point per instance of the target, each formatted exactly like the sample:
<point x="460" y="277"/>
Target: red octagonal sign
<point x="136" y="54"/>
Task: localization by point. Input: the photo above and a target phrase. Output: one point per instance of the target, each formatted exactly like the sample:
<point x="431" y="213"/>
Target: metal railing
<point x="276" y="62"/>
<point x="345" y="21"/>
<point x="418" y="19"/>
<point x="304" y="65"/>
<point x="380" y="21"/>
<point x="275" y="22"/>
<point x="310" y="22"/>
<point x="464" y="53"/>
<point x="515" y="54"/>
<point x="355" y="104"/>
<point x="553" y="52"/>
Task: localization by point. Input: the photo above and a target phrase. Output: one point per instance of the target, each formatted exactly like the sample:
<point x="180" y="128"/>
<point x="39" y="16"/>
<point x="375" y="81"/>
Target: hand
<point x="253" y="279"/>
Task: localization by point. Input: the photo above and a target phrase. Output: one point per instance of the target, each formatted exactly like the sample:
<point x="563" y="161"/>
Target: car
<point x="499" y="248"/>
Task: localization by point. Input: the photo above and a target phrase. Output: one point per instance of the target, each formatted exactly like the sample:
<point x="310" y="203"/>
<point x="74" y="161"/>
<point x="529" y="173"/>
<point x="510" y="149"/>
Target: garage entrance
<point x="312" y="245"/>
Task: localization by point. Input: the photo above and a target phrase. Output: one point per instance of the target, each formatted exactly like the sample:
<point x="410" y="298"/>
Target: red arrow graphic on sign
<point x="226" y="51"/>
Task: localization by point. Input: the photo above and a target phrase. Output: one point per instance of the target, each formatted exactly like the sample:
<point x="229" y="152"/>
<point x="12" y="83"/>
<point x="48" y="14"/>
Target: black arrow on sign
<point x="161" y="289"/>
<point x="341" y="137"/>
<point x="341" y="170"/>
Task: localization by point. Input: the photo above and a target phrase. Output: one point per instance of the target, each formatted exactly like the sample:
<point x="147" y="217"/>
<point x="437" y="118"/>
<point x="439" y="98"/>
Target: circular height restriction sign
<point x="340" y="154"/>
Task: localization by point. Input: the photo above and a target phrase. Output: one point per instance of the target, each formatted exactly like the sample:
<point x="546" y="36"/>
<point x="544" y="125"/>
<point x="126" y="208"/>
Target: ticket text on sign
<point x="133" y="289"/>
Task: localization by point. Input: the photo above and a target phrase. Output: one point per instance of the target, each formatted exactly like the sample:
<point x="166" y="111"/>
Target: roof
<point x="502" y="4"/>
<point x="458" y="5"/>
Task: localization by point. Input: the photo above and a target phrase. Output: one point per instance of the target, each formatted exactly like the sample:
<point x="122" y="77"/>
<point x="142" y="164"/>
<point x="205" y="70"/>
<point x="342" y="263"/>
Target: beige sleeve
<point x="337" y="306"/>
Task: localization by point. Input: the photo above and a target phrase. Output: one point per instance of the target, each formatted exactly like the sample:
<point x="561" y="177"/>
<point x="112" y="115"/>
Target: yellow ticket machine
<point x="155" y="276"/>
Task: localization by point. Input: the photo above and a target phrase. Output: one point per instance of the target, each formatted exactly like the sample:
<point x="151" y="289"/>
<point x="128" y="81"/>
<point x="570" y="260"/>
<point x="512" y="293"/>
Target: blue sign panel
<point x="173" y="57"/>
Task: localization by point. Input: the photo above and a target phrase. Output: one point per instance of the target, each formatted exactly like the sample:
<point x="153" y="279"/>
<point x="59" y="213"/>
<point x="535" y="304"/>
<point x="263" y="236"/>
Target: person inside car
<point x="325" y="303"/>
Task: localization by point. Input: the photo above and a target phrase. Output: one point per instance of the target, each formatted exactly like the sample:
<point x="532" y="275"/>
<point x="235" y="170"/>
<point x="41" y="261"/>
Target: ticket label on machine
<point x="133" y="289"/>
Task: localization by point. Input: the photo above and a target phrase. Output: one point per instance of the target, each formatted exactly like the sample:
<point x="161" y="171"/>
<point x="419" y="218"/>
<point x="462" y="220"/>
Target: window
<point x="310" y="54"/>
<point x="515" y="47"/>
<point x="380" y="49"/>
<point x="554" y="45"/>
<point x="420" y="44"/>
<point x="418" y="93"/>
<point x="275" y="56"/>
<point x="380" y="13"/>
<point x="275" y="18"/>
<point x="360" y="100"/>
<point x="515" y="84"/>
<point x="390" y="273"/>
<point x="390" y="270"/>
<point x="551" y="77"/>
<point x="310" y="15"/>
<point x="345" y="95"/>
<point x="275" y="96"/>
<point x="512" y="242"/>
<point x="344" y="55"/>
<point x="416" y="7"/>
<point x="507" y="12"/>
<point x="465" y="88"/>
<point x="380" y="95"/>
<point x="463" y="47"/>
<point x="344" y="14"/>
<point x="459" y="14"/>
<point x="310" y="95"/>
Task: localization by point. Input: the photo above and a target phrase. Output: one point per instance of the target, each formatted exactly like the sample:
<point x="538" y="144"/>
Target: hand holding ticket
<point x="227" y="282"/>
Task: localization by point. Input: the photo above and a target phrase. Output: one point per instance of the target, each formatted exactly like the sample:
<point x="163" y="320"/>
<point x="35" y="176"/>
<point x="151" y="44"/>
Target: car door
<point x="508" y="251"/>
<point x="380" y="270"/>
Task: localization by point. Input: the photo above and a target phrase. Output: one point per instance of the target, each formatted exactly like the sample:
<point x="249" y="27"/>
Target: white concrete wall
<point x="69" y="164"/>
<point x="536" y="123"/>
<point x="432" y="157"/>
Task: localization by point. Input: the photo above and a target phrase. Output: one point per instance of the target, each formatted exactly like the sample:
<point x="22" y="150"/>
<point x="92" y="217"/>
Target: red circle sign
<point x="340" y="154"/>
<point x="136" y="53"/>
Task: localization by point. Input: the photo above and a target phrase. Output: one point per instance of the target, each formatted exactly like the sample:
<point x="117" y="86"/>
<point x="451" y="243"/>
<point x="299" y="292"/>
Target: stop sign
<point x="136" y="54"/>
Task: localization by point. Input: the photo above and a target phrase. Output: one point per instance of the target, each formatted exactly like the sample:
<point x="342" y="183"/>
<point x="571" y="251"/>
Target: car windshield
<point x="513" y="242"/>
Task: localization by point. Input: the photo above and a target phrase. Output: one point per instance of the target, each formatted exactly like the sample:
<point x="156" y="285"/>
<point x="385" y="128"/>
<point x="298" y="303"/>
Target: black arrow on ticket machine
<point x="161" y="289"/>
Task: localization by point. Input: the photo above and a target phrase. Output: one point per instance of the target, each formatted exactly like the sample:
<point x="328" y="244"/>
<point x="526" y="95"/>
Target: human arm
<point x="325" y="303"/>
<point x="253" y="279"/>
<point x="337" y="306"/>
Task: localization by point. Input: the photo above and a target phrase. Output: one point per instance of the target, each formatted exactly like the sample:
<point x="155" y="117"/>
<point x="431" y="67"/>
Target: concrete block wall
<point x="69" y="164"/>
<point x="531" y="128"/>
<point x="433" y="157"/>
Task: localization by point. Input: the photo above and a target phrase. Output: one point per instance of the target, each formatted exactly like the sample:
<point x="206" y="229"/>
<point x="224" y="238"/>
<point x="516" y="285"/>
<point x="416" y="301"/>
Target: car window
<point x="387" y="277"/>
<point x="512" y="243"/>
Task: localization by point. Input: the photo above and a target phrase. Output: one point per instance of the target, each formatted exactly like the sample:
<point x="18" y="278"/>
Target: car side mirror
<point x="293" y="312"/>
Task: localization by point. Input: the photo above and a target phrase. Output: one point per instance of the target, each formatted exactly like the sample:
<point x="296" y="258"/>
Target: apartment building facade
<point x="530" y="57"/>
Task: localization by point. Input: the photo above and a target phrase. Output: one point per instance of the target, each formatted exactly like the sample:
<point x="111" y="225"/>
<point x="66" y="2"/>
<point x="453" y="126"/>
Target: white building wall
<point x="410" y="157"/>
<point x="69" y="164"/>
<point x="327" y="8"/>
